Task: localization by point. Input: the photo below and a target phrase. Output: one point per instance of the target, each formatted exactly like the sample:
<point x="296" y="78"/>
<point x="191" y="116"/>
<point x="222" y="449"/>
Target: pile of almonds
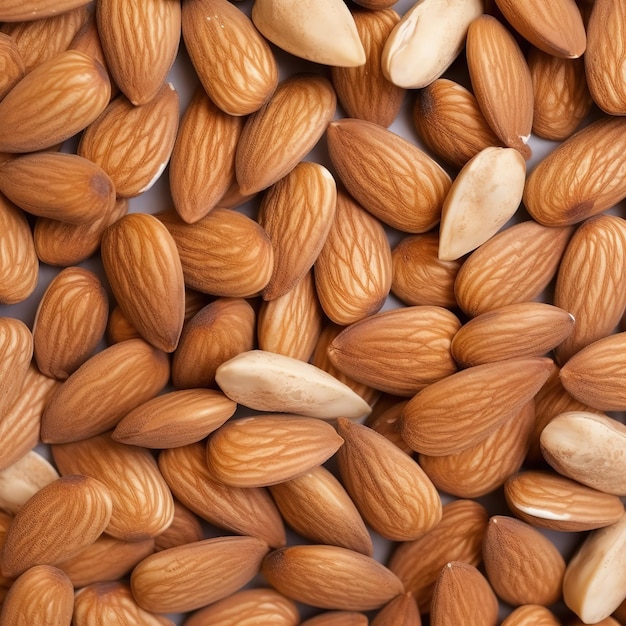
<point x="226" y="408"/>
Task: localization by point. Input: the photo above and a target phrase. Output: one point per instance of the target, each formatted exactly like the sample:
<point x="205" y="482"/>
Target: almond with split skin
<point x="11" y="63"/>
<point x="16" y="351"/>
<point x="531" y="615"/>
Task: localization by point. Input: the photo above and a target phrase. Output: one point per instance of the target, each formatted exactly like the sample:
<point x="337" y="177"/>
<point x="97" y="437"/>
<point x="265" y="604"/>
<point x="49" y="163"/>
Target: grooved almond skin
<point x="202" y="165"/>
<point x="400" y="351"/>
<point x="556" y="28"/>
<point x="11" y="64"/>
<point x="132" y="144"/>
<point x="87" y="40"/>
<point x="142" y="264"/>
<point x="269" y="449"/>
<point x="59" y="186"/>
<point x="595" y="258"/>
<point x="186" y="527"/>
<point x="53" y="102"/>
<point x="277" y="136"/>
<point x="531" y="615"/>
<point x="316" y="506"/>
<point x="70" y="322"/>
<point x="331" y="577"/>
<point x="401" y="610"/>
<point x="513" y="266"/>
<point x="16" y="351"/>
<point x="41" y="595"/>
<point x="450" y="122"/>
<point x="363" y="91"/>
<point x="354" y="268"/>
<point x="484" y="467"/>
<point x="224" y="254"/>
<point x="463" y="409"/>
<point x="243" y="511"/>
<point x="513" y="331"/>
<point x="463" y="595"/>
<point x="551" y="501"/>
<point x="582" y="177"/>
<point x="191" y="576"/>
<point x="234" y="63"/>
<point x="104" y="389"/>
<point x="337" y="618"/>
<point x="297" y="213"/>
<point x="392" y="492"/>
<point x="143" y="506"/>
<point x="389" y="176"/>
<point x="140" y="42"/>
<point x="175" y="419"/>
<point x="501" y="81"/>
<point x="56" y="523"/>
<point x="18" y="10"/>
<point x="386" y="421"/>
<point x="522" y="565"/>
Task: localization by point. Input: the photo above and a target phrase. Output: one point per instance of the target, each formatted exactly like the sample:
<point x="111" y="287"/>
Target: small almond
<point x="531" y="615"/>
<point x="186" y="527"/>
<point x="401" y="610"/>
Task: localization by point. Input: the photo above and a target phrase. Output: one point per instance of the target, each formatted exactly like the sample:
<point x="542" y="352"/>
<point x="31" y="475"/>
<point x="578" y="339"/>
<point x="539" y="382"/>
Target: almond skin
<point x="531" y="615"/>
<point x="386" y="421"/>
<point x="186" y="527"/>
<point x="337" y="618"/>
<point x="16" y="351"/>
<point x="12" y="64"/>
<point x="17" y="11"/>
<point x="401" y="610"/>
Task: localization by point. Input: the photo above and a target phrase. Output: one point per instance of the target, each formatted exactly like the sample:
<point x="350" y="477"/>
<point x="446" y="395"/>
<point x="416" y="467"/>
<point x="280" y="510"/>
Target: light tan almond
<point x="330" y="577"/>
<point x="242" y="511"/>
<point x="363" y="91"/>
<point x="202" y="166"/>
<point x="522" y="565"/>
<point x="449" y="121"/>
<point x="337" y="618"/>
<point x="175" y="419"/>
<point x="70" y="322"/>
<point x="60" y="243"/>
<point x="317" y="507"/>
<point x="501" y="81"/>
<point x="60" y="186"/>
<point x="513" y="331"/>
<point x="594" y="264"/>
<point x="353" y="281"/>
<point x="594" y="583"/>
<point x="18" y="10"/>
<point x="87" y="41"/>
<point x="56" y="523"/>
<point x="486" y="193"/>
<point x="582" y="177"/>
<point x="206" y="571"/>
<point x="186" y="527"/>
<point x="16" y="351"/>
<point x="297" y="213"/>
<point x="265" y="381"/>
<point x="461" y="410"/>
<point x="531" y="615"/>
<point x="41" y="595"/>
<point x="103" y="390"/>
<point x="132" y="144"/>
<point x="291" y="324"/>
<point x="53" y="102"/>
<point x="140" y="42"/>
<point x="562" y="98"/>
<point x="427" y="40"/>
<point x="513" y="266"/>
<point x="143" y="506"/>
<point x="225" y="253"/>
<point x="277" y="137"/>
<point x="151" y="294"/>
<point x="11" y="64"/>
<point x="234" y="63"/>
<point x="588" y="448"/>
<point x="323" y="31"/>
<point x="399" y="351"/>
<point x="388" y="175"/>
<point x="386" y="421"/>
<point x="462" y="595"/>
<point x="217" y="333"/>
<point x="269" y="449"/>
<point x="248" y="608"/>
<point x="401" y="610"/>
<point x="484" y="467"/>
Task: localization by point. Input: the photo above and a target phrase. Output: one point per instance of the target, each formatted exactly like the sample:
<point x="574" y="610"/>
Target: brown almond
<point x="186" y="527"/>
<point x="119" y="327"/>
<point x="386" y="421"/>
<point x="401" y="610"/>
<point x="17" y="11"/>
<point x="337" y="618"/>
<point x="531" y="615"/>
<point x="11" y="63"/>
<point x="16" y="351"/>
<point x="87" y="40"/>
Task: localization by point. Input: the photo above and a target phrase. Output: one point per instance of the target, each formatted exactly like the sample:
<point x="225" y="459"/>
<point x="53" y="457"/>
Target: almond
<point x="56" y="523"/>
<point x="389" y="176"/>
<point x="234" y="63"/>
<point x="265" y="381"/>
<point x="330" y="577"/>
<point x="18" y="10"/>
<point x="206" y="571"/>
<point x="104" y="389"/>
<point x="11" y="63"/>
<point x="5" y="581"/>
<point x="531" y="615"/>
<point x="140" y="43"/>
<point x="269" y="449"/>
<point x="142" y="502"/>
<point x="16" y="351"/>
<point x="53" y="102"/>
<point x="186" y="527"/>
<point x="337" y="618"/>
<point x="119" y="327"/>
<point x="461" y="410"/>
<point x="277" y="136"/>
<point x="387" y="422"/>
<point x="401" y="610"/>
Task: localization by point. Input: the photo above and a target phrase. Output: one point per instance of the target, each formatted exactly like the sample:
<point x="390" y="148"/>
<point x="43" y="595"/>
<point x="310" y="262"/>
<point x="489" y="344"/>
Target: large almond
<point x="18" y="10"/>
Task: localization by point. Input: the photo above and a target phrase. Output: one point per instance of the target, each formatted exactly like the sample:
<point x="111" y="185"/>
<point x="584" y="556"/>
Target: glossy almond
<point x="531" y="615"/>
<point x="11" y="63"/>
<point x="186" y="527"/>
<point x="388" y="175"/>
<point x="53" y="102"/>
<point x="16" y="351"/>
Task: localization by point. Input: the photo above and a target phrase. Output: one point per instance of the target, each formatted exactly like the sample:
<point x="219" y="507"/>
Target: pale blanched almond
<point x="16" y="351"/>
